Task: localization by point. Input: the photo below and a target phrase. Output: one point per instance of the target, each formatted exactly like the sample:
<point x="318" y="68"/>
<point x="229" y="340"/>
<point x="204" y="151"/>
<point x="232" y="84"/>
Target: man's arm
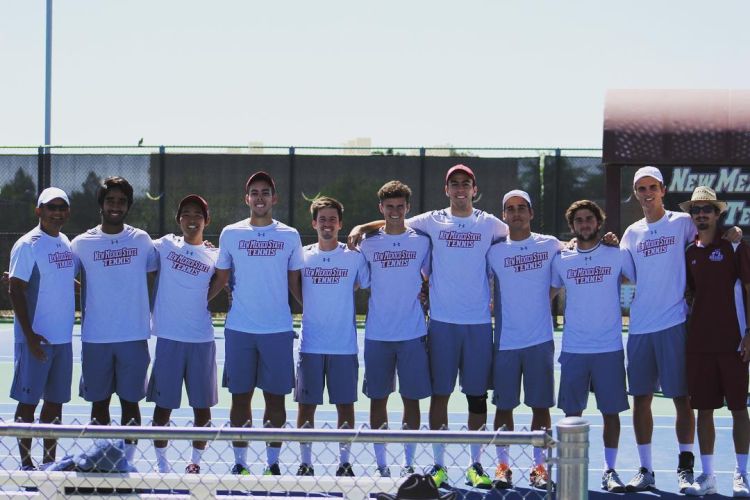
<point x="219" y="281"/>
<point x="17" y="290"/>
<point x="295" y="284"/>
<point x="357" y="232"/>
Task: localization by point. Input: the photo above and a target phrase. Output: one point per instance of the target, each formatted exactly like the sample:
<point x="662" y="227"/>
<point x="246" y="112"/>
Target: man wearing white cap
<point x="43" y="296"/>
<point x="718" y="347"/>
<point x="524" y="345"/>
<point x="656" y="341"/>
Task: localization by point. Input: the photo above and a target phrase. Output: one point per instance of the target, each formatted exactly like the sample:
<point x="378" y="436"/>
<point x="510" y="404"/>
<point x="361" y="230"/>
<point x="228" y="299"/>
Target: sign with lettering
<point x="732" y="184"/>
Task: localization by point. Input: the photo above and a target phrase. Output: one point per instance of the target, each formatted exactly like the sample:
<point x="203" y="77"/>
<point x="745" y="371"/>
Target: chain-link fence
<point x="161" y="176"/>
<point x="92" y="460"/>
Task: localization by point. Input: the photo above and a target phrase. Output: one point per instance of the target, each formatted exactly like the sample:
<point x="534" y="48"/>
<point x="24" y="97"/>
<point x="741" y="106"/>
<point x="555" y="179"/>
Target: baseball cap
<point x="193" y="198"/>
<point x="50" y="194"/>
<point x="460" y="168"/>
<point x="647" y="172"/>
<point x="519" y="193"/>
<point x="260" y="176"/>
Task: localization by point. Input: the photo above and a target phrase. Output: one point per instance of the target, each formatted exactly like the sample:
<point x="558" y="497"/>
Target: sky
<point x="526" y="73"/>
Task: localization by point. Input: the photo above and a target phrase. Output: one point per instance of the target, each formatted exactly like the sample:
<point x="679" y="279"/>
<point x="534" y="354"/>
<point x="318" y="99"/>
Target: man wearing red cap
<point x="460" y="330"/>
<point x="264" y="258"/>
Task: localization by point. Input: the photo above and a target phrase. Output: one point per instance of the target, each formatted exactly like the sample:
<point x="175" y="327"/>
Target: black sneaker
<point x="305" y="470"/>
<point x="240" y="470"/>
<point x="272" y="470"/>
<point x="345" y="470"/>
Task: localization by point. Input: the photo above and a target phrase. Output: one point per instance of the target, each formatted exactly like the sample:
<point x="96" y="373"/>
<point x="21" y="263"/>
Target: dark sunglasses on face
<point x="705" y="209"/>
<point x="56" y="207"/>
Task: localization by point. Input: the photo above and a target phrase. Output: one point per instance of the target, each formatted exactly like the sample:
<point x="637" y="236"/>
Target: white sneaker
<point x="685" y="478"/>
<point x="611" y="482"/>
<point x="740" y="487"/>
<point x="705" y="484"/>
<point x="643" y="480"/>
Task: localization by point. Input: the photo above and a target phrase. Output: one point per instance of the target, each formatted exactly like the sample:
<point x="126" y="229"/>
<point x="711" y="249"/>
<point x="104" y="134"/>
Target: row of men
<point x="264" y="260"/>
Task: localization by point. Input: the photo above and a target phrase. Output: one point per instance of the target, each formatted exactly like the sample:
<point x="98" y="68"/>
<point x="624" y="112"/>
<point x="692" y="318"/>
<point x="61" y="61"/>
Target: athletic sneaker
<point x="503" y="477"/>
<point x="476" y="477"/>
<point x="28" y="468"/>
<point x="305" y="470"/>
<point x="611" y="482"/>
<point x="407" y="470"/>
<point x="705" y="484"/>
<point x="539" y="477"/>
<point x="193" y="469"/>
<point x="439" y="474"/>
<point x="685" y="475"/>
<point x="272" y="470"/>
<point x="240" y="470"/>
<point x="642" y="481"/>
<point x="740" y="487"/>
<point x="384" y="471"/>
<point x="345" y="470"/>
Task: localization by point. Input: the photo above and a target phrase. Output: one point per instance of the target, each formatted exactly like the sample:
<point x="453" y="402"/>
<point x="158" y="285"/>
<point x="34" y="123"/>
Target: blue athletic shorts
<point x="533" y="364"/>
<point x="338" y="372"/>
<point x="114" y="368"/>
<point x="175" y="361"/>
<point x="49" y="380"/>
<point x="262" y="360"/>
<point x="604" y="371"/>
<point x="383" y="359"/>
<point x="658" y="359"/>
<point x="460" y="350"/>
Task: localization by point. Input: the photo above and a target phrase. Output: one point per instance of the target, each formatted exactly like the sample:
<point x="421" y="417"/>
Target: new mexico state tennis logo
<point x="116" y="257"/>
<point x="655" y="246"/>
<point x="397" y="258"/>
<point x="325" y="275"/>
<point x="458" y="239"/>
<point x="261" y="248"/>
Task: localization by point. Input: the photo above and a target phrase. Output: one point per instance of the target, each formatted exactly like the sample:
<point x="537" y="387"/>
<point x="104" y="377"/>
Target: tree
<point x="18" y="200"/>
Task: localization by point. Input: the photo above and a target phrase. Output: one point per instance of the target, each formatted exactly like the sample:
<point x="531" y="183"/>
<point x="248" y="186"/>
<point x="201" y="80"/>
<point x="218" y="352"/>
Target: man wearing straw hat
<point x="718" y="347"/>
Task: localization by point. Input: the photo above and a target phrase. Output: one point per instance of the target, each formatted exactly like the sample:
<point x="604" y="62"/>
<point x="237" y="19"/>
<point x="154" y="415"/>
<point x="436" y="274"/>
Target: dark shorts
<point x="658" y="360"/>
<point x="338" y="372"/>
<point x="460" y="350"/>
<point x="604" y="371"/>
<point x="408" y="358"/>
<point x="114" y="368"/>
<point x="265" y="361"/>
<point x="714" y="378"/>
<point x="191" y="362"/>
<point x="49" y="380"/>
<point x="535" y="365"/>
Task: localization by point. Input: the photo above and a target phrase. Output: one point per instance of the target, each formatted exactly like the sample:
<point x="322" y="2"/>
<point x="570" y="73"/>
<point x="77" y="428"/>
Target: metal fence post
<point x="290" y="193"/>
<point x="572" y="458"/>
<point x="422" y="176"/>
<point x="162" y="191"/>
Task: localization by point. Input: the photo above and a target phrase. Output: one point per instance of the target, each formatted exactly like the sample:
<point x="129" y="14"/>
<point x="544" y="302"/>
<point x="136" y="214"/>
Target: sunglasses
<point x="704" y="209"/>
<point x="56" y="207"/>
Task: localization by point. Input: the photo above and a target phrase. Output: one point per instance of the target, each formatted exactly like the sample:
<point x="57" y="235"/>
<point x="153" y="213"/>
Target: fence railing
<point x="571" y="461"/>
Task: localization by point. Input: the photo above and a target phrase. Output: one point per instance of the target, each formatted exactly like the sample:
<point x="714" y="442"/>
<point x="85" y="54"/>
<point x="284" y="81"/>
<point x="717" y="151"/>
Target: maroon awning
<point x="677" y="127"/>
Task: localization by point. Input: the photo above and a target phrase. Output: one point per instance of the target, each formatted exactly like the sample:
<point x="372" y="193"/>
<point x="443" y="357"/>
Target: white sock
<point x="686" y="447"/>
<point x="380" y="454"/>
<point x="162" y="464"/>
<point x="741" y="463"/>
<point x="503" y="454"/>
<point x="476" y="453"/>
<point x="305" y="453"/>
<point x="344" y="449"/>
<point x="196" y="456"/>
<point x="410" y="450"/>
<point x="538" y="456"/>
<point x="644" y="453"/>
<point x="130" y="452"/>
<point x="272" y="454"/>
<point x="240" y="455"/>
<point x="610" y="458"/>
<point x="438" y="453"/>
<point x="707" y="464"/>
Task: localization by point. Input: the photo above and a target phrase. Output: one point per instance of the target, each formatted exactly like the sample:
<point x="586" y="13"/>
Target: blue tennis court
<point x="664" y="443"/>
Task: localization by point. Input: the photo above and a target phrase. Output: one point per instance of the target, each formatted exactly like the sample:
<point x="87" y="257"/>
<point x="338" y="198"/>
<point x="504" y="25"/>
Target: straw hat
<point x="704" y="193"/>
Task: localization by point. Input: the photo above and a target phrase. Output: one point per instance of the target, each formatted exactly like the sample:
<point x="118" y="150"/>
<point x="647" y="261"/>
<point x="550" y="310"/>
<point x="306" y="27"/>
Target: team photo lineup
<point x="436" y="281"/>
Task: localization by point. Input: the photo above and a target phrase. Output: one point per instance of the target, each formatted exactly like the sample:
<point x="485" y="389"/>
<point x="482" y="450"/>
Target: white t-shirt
<point x="522" y="272"/>
<point x="396" y="262"/>
<point x="181" y="304"/>
<point x="593" y="321"/>
<point x="459" y="286"/>
<point x="47" y="265"/>
<point x="658" y="251"/>
<point x="328" y="283"/>
<point x="260" y="258"/>
<point x="114" y="296"/>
